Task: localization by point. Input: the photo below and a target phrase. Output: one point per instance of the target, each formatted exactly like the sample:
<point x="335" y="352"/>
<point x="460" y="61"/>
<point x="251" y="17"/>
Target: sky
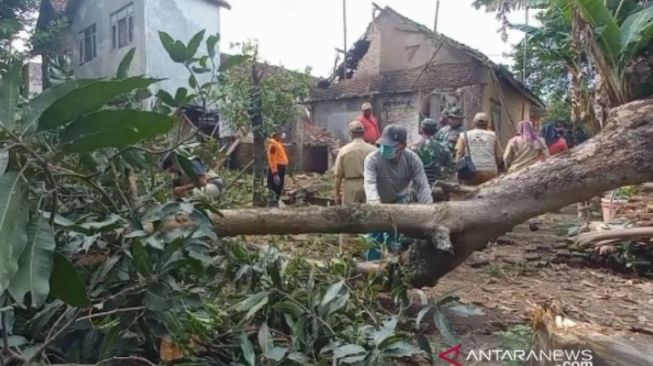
<point x="301" y="33"/>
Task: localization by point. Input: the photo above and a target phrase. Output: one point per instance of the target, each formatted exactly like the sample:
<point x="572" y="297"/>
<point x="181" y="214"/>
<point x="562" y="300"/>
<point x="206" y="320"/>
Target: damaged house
<point x="408" y="72"/>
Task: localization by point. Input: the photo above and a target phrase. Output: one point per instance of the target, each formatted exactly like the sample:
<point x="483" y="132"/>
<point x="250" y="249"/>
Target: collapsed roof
<point x="447" y="76"/>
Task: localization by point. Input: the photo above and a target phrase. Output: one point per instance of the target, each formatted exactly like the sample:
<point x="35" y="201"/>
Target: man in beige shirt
<point x="484" y="149"/>
<point x="349" y="166"/>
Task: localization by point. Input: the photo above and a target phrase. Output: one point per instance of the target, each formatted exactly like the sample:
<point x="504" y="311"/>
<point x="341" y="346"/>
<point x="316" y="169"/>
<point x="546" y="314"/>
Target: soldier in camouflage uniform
<point x="454" y="128"/>
<point x="435" y="155"/>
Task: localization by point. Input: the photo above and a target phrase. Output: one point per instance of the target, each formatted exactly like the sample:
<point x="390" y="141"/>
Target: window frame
<point x="118" y="39"/>
<point x="87" y="44"/>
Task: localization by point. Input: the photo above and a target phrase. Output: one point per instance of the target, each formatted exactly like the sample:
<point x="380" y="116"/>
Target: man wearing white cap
<point x="348" y="167"/>
<point x="370" y="124"/>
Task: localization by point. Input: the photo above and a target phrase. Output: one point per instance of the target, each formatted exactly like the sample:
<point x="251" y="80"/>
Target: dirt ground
<point x="500" y="285"/>
<point x="506" y="280"/>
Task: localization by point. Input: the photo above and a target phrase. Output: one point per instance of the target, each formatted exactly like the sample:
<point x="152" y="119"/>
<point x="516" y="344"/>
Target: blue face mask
<point x="388" y="152"/>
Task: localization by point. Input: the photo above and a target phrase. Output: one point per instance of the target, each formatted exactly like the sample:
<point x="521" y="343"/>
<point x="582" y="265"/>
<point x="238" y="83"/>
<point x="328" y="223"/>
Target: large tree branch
<point x="622" y="154"/>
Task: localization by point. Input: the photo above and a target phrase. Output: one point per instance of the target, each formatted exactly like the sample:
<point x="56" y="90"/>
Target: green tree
<point x="15" y="16"/>
<point x="260" y="98"/>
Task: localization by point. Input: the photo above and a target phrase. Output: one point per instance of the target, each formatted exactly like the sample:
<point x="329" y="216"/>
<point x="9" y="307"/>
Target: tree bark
<point x="621" y="154"/>
<point x="256" y="116"/>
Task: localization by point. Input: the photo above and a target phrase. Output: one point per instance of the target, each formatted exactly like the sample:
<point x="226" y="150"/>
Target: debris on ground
<point x="315" y="135"/>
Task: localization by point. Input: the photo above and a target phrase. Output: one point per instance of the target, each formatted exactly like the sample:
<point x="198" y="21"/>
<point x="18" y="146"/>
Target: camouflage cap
<point x="429" y="124"/>
<point x="455" y="112"/>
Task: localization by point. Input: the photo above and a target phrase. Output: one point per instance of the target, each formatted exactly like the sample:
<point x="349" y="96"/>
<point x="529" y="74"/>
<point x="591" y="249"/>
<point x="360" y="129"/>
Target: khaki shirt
<point x="350" y="159"/>
<point x="484" y="147"/>
<point x="520" y="154"/>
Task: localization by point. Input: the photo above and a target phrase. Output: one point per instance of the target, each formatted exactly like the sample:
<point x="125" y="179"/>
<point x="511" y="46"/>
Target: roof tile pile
<point x="443" y="75"/>
<point x="317" y="136"/>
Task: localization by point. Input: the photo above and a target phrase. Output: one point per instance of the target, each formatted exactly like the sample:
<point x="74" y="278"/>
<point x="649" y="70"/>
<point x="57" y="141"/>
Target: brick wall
<point x="370" y="63"/>
<point x="472" y="102"/>
<point x="402" y="109"/>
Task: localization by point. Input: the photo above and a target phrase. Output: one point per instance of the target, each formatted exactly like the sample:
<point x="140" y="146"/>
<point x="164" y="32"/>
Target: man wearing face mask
<point x="277" y="163"/>
<point x="388" y="174"/>
<point x="390" y="170"/>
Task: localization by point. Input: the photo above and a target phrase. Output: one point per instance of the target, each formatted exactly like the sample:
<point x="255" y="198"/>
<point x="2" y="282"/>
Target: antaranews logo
<point x="455" y="356"/>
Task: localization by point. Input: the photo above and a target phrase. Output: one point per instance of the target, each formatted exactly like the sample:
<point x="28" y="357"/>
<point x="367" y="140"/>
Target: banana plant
<point x="618" y="37"/>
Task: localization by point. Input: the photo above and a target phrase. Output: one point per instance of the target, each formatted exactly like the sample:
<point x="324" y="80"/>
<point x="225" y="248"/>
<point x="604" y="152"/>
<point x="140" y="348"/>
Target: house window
<point x="87" y="44"/>
<point x="122" y="27"/>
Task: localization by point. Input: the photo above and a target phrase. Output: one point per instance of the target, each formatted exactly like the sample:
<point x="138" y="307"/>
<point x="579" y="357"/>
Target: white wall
<point x="107" y="61"/>
<point x="182" y="19"/>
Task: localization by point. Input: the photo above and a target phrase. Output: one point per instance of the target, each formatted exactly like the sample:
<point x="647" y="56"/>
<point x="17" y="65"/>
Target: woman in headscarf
<point x="525" y="149"/>
<point x="553" y="134"/>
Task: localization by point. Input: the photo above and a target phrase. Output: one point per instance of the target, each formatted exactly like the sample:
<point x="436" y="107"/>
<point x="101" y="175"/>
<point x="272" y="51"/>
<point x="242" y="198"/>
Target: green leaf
<point x="636" y="32"/>
<point x="253" y="303"/>
<point x="166" y="98"/>
<point x="16" y="341"/>
<point x="276" y="353"/>
<point x="125" y="64"/>
<point x="422" y="313"/>
<point x="211" y="42"/>
<point x="444" y="327"/>
<point x="265" y="338"/>
<point x="113" y="128"/>
<point x="298" y="357"/>
<point x="352" y="359"/>
<point x="176" y="49"/>
<point x="192" y="81"/>
<point x="112" y="222"/>
<point x="9" y="91"/>
<point x="66" y="284"/>
<point x="599" y="16"/>
<point x="248" y="350"/>
<point x="386" y="332"/>
<point x="35" y="108"/>
<point x="88" y="98"/>
<point x="108" y="347"/>
<point x="194" y="44"/>
<point x="13" y="226"/>
<point x="180" y="96"/>
<point x="35" y="265"/>
<point x="142" y="260"/>
<point x="290" y="308"/>
<point x="348" y="350"/>
<point x="339" y="303"/>
<point x="332" y="292"/>
<point x="425" y="345"/>
<point x="187" y="168"/>
<point x="401" y="349"/>
<point x="157" y="298"/>
<point x="233" y="61"/>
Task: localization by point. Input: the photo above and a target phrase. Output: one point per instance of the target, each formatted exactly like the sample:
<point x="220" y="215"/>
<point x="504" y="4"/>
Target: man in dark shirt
<point x="183" y="183"/>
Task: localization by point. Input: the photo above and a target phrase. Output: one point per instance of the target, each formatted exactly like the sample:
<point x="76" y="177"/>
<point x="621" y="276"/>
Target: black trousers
<point x="281" y="171"/>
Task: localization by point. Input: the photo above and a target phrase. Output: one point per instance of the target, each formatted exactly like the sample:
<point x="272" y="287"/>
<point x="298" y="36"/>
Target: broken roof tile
<point x="401" y="81"/>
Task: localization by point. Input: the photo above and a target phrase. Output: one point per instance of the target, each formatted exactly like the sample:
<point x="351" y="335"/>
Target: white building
<point x="101" y="32"/>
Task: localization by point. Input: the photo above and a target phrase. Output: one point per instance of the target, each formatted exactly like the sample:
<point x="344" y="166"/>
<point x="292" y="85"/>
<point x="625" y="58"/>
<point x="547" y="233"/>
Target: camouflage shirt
<point x="437" y="159"/>
<point x="450" y="135"/>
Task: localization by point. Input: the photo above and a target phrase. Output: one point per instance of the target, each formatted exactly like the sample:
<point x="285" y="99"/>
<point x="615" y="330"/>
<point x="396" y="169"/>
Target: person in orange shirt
<point x="277" y="163"/>
<point x="370" y="124"/>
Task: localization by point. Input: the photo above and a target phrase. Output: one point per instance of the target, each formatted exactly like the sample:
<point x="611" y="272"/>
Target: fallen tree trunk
<point x="621" y="154"/>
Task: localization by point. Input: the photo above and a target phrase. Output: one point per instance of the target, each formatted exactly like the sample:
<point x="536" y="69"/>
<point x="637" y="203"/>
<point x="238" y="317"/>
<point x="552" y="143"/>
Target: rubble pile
<point x="315" y="135"/>
<point x="309" y="188"/>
